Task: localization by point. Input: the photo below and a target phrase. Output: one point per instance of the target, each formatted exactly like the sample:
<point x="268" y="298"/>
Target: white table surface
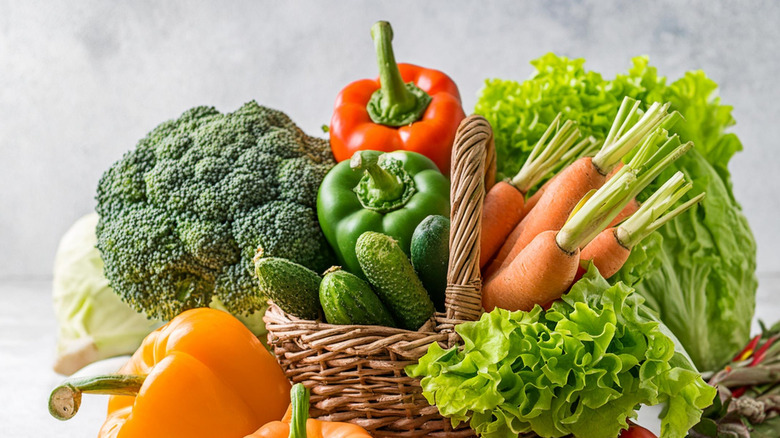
<point x="27" y="341"/>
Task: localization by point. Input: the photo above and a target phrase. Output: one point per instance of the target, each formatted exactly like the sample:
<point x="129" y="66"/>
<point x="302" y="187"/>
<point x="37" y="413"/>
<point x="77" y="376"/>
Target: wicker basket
<point x="356" y="373"/>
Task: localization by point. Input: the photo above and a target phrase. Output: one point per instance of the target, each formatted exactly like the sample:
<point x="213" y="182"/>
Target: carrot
<point x="568" y="157"/>
<point x="582" y="176"/>
<point x="544" y="269"/>
<point x="611" y="248"/>
<point x="503" y="205"/>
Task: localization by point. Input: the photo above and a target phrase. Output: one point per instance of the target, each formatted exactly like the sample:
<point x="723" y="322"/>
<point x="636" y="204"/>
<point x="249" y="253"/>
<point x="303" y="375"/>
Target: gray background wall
<point x="82" y="81"/>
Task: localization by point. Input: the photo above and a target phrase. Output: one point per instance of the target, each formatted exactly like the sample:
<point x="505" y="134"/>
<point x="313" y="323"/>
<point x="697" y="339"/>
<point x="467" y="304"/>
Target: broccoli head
<point x="183" y="214"/>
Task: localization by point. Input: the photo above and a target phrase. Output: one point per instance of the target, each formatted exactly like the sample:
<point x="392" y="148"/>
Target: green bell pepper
<point x="390" y="193"/>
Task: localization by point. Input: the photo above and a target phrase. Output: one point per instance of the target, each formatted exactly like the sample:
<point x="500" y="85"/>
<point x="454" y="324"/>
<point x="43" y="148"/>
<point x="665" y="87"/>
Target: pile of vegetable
<point x="704" y="292"/>
<point x="608" y="275"/>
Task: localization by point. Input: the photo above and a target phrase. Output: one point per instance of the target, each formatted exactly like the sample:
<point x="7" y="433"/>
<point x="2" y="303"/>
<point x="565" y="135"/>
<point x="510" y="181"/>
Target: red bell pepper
<point x="407" y="108"/>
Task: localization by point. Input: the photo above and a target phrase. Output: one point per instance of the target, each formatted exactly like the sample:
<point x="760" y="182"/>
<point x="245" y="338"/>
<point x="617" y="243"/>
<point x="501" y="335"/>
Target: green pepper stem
<point x="299" y="402"/>
<point x="383" y="185"/>
<point x="396" y="103"/>
<point x="65" y="400"/>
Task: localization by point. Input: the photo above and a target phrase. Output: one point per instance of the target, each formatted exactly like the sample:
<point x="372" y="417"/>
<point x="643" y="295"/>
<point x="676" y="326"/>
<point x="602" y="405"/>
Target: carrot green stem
<point x="653" y="212"/>
<point x="587" y="219"/>
<point x="396" y="103"/>
<point x="546" y="155"/>
<point x="299" y="402"/>
<point x="629" y="129"/>
<point x="599" y="209"/>
<point x="65" y="400"/>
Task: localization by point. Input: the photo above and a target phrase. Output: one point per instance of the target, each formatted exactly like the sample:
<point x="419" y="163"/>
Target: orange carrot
<point x="503" y="205"/>
<point x="551" y="212"/>
<point x="545" y="268"/>
<point x="611" y="248"/>
<point x="582" y="176"/>
<point x="606" y="252"/>
<point x="543" y="273"/>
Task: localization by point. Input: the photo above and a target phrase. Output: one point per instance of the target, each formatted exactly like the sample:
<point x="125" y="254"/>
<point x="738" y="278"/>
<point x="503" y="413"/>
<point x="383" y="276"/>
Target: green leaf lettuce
<point x="580" y="368"/>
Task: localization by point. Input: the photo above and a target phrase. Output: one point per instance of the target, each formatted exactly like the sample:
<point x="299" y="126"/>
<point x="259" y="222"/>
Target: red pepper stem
<point x="299" y="403"/>
<point x="65" y="400"/>
<point x="396" y="103"/>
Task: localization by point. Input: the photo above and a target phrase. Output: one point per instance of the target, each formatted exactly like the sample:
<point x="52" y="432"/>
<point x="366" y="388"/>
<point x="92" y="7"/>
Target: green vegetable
<point x="93" y="323"/>
<point x="704" y="292"/>
<point x="389" y="193"/>
<point x="183" y="214"/>
<point x="430" y="256"/>
<point x="390" y="272"/>
<point x="292" y="287"/>
<point x="580" y="368"/>
<point x="346" y="299"/>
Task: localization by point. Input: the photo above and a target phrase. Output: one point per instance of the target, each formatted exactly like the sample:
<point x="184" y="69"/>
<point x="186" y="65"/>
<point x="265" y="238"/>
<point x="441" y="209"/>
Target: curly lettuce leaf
<point x="698" y="272"/>
<point x="580" y="368"/>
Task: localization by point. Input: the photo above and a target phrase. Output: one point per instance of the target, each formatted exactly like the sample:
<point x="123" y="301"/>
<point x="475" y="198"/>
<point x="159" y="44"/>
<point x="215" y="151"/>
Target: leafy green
<point x="697" y="272"/>
<point x="580" y="368"/>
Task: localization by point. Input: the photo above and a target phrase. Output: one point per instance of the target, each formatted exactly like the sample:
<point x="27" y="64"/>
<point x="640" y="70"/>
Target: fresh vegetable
<point x="585" y="174"/>
<point x="580" y="368"/>
<point x="182" y="214"/>
<point x="292" y="287"/>
<point x="504" y="204"/>
<point x="705" y="293"/>
<point x="346" y="299"/>
<point x="392" y="275"/>
<point x="430" y="255"/>
<point x="297" y="424"/>
<point x="390" y="193"/>
<point x="611" y="248"/>
<point x="203" y="374"/>
<point x="92" y="321"/>
<point x="748" y="402"/>
<point x="547" y="267"/>
<point x="408" y="108"/>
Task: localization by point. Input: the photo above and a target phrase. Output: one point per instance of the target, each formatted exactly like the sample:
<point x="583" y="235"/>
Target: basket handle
<point x="467" y="193"/>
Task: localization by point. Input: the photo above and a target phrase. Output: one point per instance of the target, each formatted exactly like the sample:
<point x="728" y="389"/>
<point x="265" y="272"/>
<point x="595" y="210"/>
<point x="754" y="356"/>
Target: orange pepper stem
<point x="396" y="103"/>
<point x="299" y="402"/>
<point x="65" y="400"/>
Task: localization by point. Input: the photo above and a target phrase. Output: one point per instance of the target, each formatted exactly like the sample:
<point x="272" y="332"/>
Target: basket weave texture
<point x="356" y="373"/>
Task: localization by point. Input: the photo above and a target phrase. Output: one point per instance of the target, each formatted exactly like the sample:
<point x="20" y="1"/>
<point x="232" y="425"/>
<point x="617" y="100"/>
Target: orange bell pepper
<point x="297" y="424"/>
<point x="407" y="108"/>
<point x="201" y="375"/>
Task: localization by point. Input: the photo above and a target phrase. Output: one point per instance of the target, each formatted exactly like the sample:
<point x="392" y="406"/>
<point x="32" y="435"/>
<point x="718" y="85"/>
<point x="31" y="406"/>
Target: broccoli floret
<point x="183" y="214"/>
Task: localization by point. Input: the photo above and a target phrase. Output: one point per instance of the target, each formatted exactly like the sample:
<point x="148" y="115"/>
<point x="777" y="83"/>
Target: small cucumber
<point x="346" y="299"/>
<point x="430" y="255"/>
<point x="390" y="272"/>
<point x="292" y="287"/>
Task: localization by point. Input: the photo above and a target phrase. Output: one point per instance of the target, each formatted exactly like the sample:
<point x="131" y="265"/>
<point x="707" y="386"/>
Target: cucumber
<point x="392" y="275"/>
<point x="430" y="252"/>
<point x="346" y="299"/>
<point x="292" y="287"/>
